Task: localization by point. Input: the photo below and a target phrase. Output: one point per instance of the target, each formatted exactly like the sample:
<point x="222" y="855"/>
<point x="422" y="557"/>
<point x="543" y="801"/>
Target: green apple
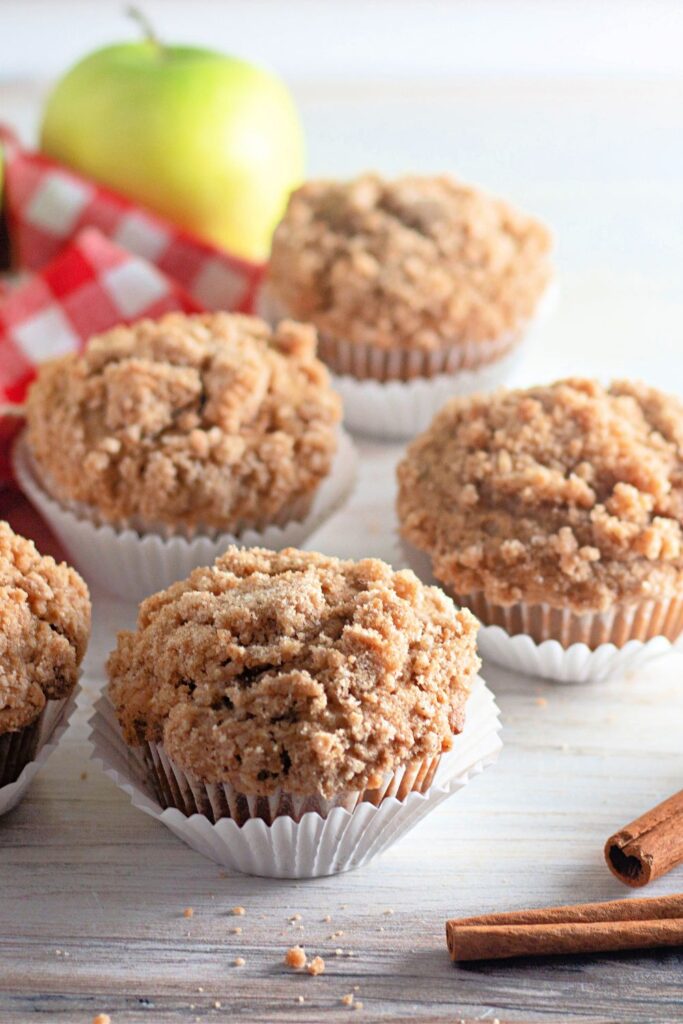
<point x="208" y="141"/>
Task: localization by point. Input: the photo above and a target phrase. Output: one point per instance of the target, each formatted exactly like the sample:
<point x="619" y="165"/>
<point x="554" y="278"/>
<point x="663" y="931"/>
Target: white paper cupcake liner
<point x="378" y="405"/>
<point x="132" y="566"/>
<point x="549" y="659"/>
<point x="313" y="846"/>
<point x="53" y="725"/>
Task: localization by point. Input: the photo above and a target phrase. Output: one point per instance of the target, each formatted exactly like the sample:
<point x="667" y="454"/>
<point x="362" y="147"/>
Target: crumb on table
<point x="316" y="966"/>
<point x="295" y="957"/>
<point x="188" y="912"/>
<point x="238" y="911"/>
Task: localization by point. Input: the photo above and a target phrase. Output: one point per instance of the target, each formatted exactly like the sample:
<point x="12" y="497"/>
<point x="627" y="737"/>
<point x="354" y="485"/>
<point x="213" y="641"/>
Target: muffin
<point x="44" y="631"/>
<point x="555" y="511"/>
<point x="409" y="278"/>
<point x="195" y="430"/>
<point x="187" y="422"/>
<point x="273" y="684"/>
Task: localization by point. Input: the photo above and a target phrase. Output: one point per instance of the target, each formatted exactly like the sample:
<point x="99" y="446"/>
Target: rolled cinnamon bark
<point x="497" y="942"/>
<point x="650" y="846"/>
<point x="584" y="928"/>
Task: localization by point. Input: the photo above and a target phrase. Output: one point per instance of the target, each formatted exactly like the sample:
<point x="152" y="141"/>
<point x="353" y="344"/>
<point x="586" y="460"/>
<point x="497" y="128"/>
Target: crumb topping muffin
<point x="209" y="420"/>
<point x="569" y="494"/>
<point x="418" y="262"/>
<point x="295" y="670"/>
<point x="44" y="630"/>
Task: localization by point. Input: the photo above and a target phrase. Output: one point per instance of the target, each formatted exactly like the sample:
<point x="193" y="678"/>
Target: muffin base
<point x="133" y="566"/>
<point x="642" y="621"/>
<point x="314" y="846"/>
<point x="23" y="752"/>
<point x="174" y="787"/>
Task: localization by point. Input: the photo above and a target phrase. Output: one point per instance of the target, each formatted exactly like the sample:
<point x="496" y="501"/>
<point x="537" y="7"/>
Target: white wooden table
<point x="93" y="892"/>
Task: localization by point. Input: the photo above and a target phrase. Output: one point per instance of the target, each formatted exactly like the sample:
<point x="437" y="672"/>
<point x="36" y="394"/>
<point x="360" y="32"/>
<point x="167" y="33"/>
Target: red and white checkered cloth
<point x="98" y="260"/>
<point x="91" y="286"/>
<point x="47" y="205"/>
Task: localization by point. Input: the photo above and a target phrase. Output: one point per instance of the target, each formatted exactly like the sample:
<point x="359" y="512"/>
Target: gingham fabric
<point x="47" y="204"/>
<point x="91" y="286"/>
<point x="98" y="260"/>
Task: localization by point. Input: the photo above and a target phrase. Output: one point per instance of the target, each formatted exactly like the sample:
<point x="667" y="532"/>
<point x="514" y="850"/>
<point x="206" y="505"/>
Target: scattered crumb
<point x="347" y="1000"/>
<point x="388" y="911"/>
<point x="336" y="935"/>
<point x="359" y="1006"/>
<point x="102" y="1018"/>
<point x="327" y="918"/>
<point x="217" y="1004"/>
<point x="239" y="961"/>
<point x="339" y="952"/>
<point x="84" y="776"/>
<point x="58" y="952"/>
<point x="295" y="917"/>
<point x="236" y="931"/>
<point x="299" y="999"/>
<point x="238" y="911"/>
<point x="542" y="702"/>
<point x="188" y="912"/>
<point x="200" y="988"/>
<point x="356" y="988"/>
<point x="295" y="957"/>
<point x="316" y="966"/>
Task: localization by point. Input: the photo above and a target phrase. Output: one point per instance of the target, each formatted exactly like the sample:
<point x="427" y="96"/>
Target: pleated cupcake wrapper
<point x="556" y="643"/>
<point x="316" y="844"/>
<point x="132" y="565"/>
<point x="22" y="753"/>
<point x="174" y="787"/>
<point x="559" y="645"/>
<point x="394" y="394"/>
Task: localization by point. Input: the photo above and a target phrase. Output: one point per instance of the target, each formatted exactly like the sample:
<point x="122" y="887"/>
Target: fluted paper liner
<point x="317" y="843"/>
<point x="559" y="645"/>
<point x="132" y="565"/>
<point x="22" y="753"/>
<point x="394" y="394"/>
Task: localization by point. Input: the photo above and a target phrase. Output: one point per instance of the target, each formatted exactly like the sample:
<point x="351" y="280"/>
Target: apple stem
<point x="145" y="24"/>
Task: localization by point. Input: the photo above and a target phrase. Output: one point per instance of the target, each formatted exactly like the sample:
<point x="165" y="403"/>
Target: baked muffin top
<point x="44" y="629"/>
<point x="295" y="670"/>
<point x="414" y="263"/>
<point x="209" y="420"/>
<point x="570" y="494"/>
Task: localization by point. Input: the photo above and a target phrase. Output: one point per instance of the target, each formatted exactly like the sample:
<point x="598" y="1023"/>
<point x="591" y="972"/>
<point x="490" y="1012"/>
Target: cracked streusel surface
<point x="569" y="494"/>
<point x="418" y="262"/>
<point x="210" y="420"/>
<point x="295" y="670"/>
<point x="44" y="629"/>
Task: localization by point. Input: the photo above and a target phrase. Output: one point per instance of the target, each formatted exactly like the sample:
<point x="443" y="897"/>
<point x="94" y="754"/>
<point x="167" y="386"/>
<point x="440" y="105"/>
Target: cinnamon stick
<point x="650" y="846"/>
<point x="584" y="928"/>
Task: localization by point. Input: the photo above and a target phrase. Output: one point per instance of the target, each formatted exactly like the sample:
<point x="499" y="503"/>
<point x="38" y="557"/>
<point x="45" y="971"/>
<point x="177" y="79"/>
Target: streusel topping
<point x="44" y="629"/>
<point x="187" y="420"/>
<point x="295" y="670"/>
<point x="569" y="494"/>
<point x="417" y="262"/>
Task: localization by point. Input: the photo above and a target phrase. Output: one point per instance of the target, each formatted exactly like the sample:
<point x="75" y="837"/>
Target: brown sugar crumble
<point x="327" y="675"/>
<point x="347" y="1000"/>
<point x="239" y="961"/>
<point x="569" y="494"/>
<point x="316" y="966"/>
<point x="417" y="262"/>
<point x="44" y="630"/>
<point x="295" y="957"/>
<point x="102" y="1018"/>
<point x="208" y="421"/>
<point x="188" y="912"/>
<point x="238" y="911"/>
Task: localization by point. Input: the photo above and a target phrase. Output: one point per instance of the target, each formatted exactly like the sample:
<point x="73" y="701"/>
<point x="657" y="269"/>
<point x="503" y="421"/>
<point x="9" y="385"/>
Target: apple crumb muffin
<point x="44" y="631"/>
<point x="295" y="671"/>
<point x="210" y="421"/>
<point x="421" y="263"/>
<point x="568" y="495"/>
